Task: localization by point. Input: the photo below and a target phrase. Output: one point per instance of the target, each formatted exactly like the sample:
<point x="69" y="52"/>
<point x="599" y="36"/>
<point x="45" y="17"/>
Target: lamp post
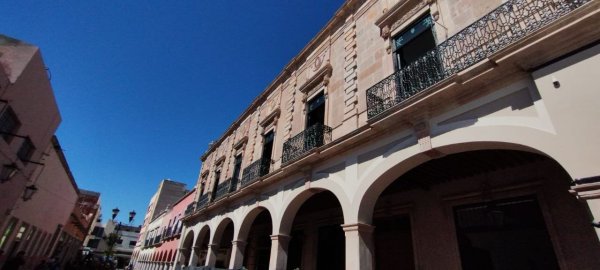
<point x="115" y="236"/>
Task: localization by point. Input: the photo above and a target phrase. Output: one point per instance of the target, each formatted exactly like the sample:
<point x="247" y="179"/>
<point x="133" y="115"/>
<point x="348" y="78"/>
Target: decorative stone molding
<point x="271" y="118"/>
<point x="350" y="69"/>
<point x="319" y="79"/>
<point x="240" y="144"/>
<point x="399" y="14"/>
<point x="289" y="106"/>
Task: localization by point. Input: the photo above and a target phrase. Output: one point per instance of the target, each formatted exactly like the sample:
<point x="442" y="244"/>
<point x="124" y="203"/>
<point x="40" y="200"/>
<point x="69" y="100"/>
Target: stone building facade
<point x="415" y="134"/>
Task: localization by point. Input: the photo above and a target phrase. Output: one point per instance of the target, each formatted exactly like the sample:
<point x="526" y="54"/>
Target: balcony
<point x="189" y="209"/>
<point x="505" y="25"/>
<point x="202" y="202"/>
<point x="225" y="188"/>
<point x="311" y="138"/>
<point x="255" y="170"/>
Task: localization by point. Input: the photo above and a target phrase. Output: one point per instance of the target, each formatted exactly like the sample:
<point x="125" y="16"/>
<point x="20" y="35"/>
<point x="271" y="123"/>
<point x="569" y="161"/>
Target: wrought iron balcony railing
<point x="501" y="27"/>
<point x="312" y="137"/>
<point x="202" y="201"/>
<point x="189" y="209"/>
<point x="225" y="188"/>
<point x="255" y="170"/>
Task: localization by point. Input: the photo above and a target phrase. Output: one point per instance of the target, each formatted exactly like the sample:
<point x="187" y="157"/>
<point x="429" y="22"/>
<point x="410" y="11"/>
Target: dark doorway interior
<point x="258" y="247"/>
<point x="393" y="243"/>
<point x="504" y="234"/>
<point x="317" y="235"/>
<point x="224" y="252"/>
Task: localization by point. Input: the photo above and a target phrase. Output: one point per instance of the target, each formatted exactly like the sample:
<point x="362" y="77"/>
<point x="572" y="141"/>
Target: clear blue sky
<point x="144" y="86"/>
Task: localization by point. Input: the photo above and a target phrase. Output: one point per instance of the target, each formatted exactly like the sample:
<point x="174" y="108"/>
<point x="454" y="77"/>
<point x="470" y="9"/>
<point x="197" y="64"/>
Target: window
<point x="93" y="243"/>
<point x="132" y="243"/>
<point x="216" y="184"/>
<point x="9" y="124"/>
<point x="26" y="149"/>
<point x="98" y="231"/>
<point x="237" y="167"/>
<point x="267" y="152"/>
<point x="414" y="42"/>
<point x="7" y="232"/>
<point x="315" y="113"/>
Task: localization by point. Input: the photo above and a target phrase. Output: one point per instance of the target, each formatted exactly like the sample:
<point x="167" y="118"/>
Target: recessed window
<point x="315" y="113"/>
<point x="9" y="124"/>
<point x="26" y="149"/>
<point x="414" y="42"/>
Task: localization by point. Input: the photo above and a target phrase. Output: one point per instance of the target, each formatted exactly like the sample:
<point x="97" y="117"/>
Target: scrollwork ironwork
<point x="500" y="28"/>
<point x="312" y="137"/>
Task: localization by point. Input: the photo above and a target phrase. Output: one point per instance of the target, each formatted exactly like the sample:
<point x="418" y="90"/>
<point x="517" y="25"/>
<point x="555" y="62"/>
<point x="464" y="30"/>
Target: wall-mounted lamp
<point x="7" y="172"/>
<point x="29" y="191"/>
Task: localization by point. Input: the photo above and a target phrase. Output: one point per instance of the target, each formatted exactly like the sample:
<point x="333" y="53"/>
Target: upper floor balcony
<point x="255" y="170"/>
<point x="314" y="136"/>
<point x="225" y="188"/>
<point x="503" y="26"/>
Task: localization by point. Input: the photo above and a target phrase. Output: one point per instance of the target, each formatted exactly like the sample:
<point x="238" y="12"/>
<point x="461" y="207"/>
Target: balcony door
<point x="237" y="169"/>
<point x="216" y="185"/>
<point x="267" y="152"/>
<point x="315" y="113"/>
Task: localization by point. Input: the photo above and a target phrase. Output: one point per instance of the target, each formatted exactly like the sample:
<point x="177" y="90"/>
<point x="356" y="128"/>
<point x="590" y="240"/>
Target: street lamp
<point x="115" y="236"/>
<point x="115" y="212"/>
<point x="131" y="215"/>
<point x="29" y="191"/>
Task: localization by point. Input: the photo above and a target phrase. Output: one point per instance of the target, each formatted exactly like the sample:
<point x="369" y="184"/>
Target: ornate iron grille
<point x="189" y="209"/>
<point x="202" y="201"/>
<point x="501" y="27"/>
<point x="225" y="188"/>
<point x="255" y="170"/>
<point x="312" y="137"/>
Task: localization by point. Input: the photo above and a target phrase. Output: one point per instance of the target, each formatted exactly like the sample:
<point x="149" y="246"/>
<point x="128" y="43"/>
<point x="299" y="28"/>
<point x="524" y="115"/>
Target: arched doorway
<point x="222" y="243"/>
<point x="258" y="240"/>
<point x="481" y="209"/>
<point x="317" y="238"/>
<point x="202" y="245"/>
<point x="188" y="241"/>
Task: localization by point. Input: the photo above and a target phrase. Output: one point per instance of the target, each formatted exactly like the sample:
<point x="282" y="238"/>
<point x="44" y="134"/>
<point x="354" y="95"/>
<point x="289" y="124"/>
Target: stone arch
<point x="298" y="197"/>
<point x="248" y="219"/>
<point x="382" y="174"/>
<point x="220" y="228"/>
<point x="187" y="245"/>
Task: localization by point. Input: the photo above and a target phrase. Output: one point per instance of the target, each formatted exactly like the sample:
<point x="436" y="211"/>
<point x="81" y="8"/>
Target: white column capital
<point x="359" y="227"/>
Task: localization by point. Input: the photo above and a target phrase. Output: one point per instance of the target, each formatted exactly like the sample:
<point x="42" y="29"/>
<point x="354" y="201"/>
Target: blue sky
<point x="144" y="86"/>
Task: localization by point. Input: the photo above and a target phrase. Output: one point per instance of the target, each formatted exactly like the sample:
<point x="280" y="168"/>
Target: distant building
<point x="99" y="243"/>
<point x="159" y="247"/>
<point x="169" y="194"/>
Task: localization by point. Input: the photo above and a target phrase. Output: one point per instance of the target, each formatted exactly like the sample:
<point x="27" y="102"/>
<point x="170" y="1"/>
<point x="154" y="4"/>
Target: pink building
<point x="162" y="227"/>
<point x="37" y="190"/>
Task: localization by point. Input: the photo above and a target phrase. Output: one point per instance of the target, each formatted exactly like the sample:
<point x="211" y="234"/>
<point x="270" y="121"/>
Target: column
<point x="211" y="255"/>
<point x="279" y="250"/>
<point x="359" y="246"/>
<point x="194" y="256"/>
<point x="180" y="256"/>
<point x="237" y="254"/>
